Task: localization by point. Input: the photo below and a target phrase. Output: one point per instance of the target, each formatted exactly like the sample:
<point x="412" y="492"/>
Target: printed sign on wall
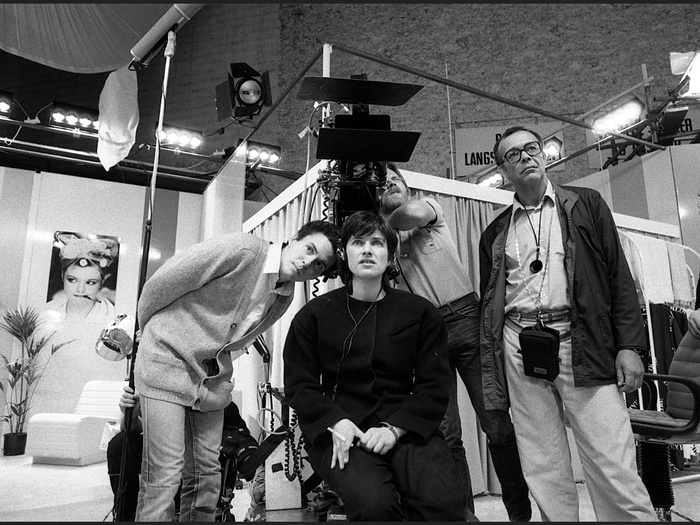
<point x="474" y="147"/>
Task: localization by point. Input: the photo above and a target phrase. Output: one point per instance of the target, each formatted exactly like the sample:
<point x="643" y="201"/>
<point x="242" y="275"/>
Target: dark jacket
<point x="606" y="315"/>
<point x="392" y="366"/>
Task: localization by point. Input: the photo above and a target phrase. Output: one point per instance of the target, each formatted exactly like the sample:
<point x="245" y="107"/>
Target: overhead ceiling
<point x="92" y="39"/>
<point x="80" y="38"/>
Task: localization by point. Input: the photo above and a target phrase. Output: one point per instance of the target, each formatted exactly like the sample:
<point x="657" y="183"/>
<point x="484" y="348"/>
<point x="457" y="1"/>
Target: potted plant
<point x="22" y="375"/>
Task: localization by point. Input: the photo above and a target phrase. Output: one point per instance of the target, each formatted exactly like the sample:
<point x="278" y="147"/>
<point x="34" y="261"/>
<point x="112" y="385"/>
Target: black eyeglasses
<point x="531" y="148"/>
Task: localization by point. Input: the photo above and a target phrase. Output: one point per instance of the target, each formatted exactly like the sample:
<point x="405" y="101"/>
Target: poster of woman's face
<point x="83" y="276"/>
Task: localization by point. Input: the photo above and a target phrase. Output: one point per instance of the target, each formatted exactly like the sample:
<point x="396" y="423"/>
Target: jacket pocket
<point x="168" y="373"/>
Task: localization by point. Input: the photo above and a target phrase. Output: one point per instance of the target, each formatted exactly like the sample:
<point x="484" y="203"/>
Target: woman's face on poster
<point x="82" y="283"/>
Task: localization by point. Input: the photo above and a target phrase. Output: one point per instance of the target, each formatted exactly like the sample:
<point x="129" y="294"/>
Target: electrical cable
<point x="42" y="109"/>
<point x="20" y="107"/>
<point x="351" y="336"/>
<point x="9" y="142"/>
<point x="272" y="419"/>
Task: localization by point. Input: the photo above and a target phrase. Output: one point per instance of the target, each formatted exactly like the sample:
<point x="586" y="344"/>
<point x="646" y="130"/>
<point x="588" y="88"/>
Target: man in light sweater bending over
<point x="201" y="306"/>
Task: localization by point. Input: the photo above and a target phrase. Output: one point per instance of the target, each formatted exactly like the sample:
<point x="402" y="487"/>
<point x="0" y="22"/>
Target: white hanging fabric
<point x="680" y="277"/>
<point x="656" y="274"/>
<point x="80" y="38"/>
<point x="119" y="117"/>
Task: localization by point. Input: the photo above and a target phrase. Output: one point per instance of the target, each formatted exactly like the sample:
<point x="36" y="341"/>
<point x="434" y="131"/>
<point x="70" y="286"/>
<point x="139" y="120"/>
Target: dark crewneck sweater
<point x="393" y="367"/>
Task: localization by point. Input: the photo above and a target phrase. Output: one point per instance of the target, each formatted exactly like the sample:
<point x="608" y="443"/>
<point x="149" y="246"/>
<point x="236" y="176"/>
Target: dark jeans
<point x="133" y="469"/>
<point x="465" y="359"/>
<point x="414" y="481"/>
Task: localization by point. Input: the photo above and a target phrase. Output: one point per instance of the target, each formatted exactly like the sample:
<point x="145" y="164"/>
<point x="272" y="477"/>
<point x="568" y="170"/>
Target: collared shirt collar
<point x="548" y="193"/>
<point x="271" y="269"/>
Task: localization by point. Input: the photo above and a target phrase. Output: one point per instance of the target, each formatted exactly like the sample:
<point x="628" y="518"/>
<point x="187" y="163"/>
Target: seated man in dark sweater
<point x="366" y="372"/>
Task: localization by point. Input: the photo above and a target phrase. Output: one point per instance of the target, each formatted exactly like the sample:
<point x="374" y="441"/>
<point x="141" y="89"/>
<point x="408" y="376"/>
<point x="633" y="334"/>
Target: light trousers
<point x="600" y="424"/>
<point x="179" y="443"/>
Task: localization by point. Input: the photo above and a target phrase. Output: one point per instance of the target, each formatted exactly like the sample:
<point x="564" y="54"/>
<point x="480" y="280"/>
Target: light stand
<point x="128" y="412"/>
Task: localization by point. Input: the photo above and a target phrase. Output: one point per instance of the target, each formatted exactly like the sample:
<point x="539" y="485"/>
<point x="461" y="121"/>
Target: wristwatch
<point x="641" y="352"/>
<point x="391" y="427"/>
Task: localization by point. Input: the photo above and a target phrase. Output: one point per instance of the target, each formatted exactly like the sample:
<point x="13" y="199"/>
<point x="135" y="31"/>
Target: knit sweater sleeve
<point x="193" y="268"/>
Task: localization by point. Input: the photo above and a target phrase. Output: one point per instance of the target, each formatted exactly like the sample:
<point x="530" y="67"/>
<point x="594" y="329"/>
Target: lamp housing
<point x="259" y="153"/>
<point x="72" y="117"/>
<point x="244" y="93"/>
<point x="552" y="149"/>
<point x="7" y="102"/>
<point x="180" y="138"/>
<point x="620" y="117"/>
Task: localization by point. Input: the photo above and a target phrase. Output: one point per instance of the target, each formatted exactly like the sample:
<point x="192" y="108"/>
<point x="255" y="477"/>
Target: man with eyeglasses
<point x="552" y="261"/>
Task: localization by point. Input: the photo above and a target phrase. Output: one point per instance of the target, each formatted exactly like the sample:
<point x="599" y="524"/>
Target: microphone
<point x="154" y="40"/>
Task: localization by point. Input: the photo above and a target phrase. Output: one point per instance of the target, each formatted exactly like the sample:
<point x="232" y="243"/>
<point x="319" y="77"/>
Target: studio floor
<point x="33" y="492"/>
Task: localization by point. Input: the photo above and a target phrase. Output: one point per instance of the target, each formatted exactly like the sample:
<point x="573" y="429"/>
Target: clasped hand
<point x="378" y="440"/>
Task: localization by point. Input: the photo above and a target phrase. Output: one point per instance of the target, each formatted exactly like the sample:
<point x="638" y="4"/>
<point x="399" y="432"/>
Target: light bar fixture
<point x="72" y="117"/>
<point x="492" y="181"/>
<point x="181" y="138"/>
<point x="620" y="117"/>
<point x="6" y="102"/>
<point x="265" y="154"/>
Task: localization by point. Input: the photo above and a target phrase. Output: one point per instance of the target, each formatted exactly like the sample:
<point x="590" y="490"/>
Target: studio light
<point x="6" y="102"/>
<point x="180" y="138"/>
<point x="688" y="65"/>
<point x="620" y="117"/>
<point x="115" y="341"/>
<point x="244" y="93"/>
<point x="492" y="181"/>
<point x="552" y="149"/>
<point x="261" y="153"/>
<point x="76" y="118"/>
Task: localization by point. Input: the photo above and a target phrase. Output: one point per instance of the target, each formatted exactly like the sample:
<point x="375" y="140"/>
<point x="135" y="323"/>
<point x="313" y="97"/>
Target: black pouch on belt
<point x="539" y="346"/>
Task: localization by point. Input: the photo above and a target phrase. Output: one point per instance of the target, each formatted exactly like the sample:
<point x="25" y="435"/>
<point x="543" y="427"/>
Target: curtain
<point x="466" y="218"/>
<point x="80" y="38"/>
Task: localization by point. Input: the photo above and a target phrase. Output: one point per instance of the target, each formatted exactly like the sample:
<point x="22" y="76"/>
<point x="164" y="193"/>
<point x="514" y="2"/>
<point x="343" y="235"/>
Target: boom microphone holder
<point x="360" y="144"/>
<point x="128" y="412"/>
<point x="152" y="42"/>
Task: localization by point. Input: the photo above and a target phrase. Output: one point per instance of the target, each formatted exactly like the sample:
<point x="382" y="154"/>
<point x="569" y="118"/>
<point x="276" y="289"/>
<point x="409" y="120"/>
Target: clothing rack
<point x="662" y="285"/>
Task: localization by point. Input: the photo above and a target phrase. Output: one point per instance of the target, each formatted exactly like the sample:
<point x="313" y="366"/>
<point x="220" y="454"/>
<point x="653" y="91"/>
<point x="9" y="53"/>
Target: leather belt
<point x="458" y="304"/>
<point x="510" y="322"/>
<point x="546" y="316"/>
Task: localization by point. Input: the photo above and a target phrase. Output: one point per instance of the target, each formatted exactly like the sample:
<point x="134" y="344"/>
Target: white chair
<point x="74" y="439"/>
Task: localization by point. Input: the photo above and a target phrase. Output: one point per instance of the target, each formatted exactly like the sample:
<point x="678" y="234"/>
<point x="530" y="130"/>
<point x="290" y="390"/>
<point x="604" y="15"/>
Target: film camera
<point x="358" y="145"/>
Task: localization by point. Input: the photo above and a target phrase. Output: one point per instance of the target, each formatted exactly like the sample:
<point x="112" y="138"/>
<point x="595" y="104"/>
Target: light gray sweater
<point x="187" y="313"/>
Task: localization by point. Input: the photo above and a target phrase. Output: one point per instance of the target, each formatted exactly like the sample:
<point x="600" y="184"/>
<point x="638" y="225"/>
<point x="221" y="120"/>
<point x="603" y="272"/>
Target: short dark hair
<point x="393" y="167"/>
<point x="508" y="132"/>
<point x="364" y="223"/>
<point x="332" y="233"/>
